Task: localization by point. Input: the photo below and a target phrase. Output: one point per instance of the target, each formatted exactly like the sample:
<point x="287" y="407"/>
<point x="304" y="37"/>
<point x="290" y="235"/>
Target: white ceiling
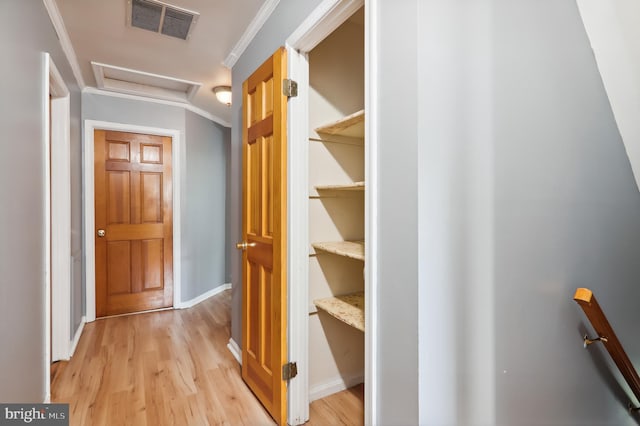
<point x="99" y="32"/>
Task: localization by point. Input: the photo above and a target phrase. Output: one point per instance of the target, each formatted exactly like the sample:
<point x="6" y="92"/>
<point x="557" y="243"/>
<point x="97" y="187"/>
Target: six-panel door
<point x="133" y="218"/>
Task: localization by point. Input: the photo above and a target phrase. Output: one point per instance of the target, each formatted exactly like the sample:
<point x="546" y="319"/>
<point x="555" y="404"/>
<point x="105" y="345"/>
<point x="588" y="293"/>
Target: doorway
<point x="90" y="230"/>
<point x="56" y="101"/>
<point x="133" y="208"/>
<point x="327" y="17"/>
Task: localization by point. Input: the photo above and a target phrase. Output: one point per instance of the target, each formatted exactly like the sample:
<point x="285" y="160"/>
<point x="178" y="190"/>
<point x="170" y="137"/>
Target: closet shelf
<point x="355" y="186"/>
<point x="348" y="308"/>
<point x="351" y="249"/>
<point x="351" y="126"/>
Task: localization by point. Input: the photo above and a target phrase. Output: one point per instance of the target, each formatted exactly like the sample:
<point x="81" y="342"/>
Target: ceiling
<point x="99" y="32"/>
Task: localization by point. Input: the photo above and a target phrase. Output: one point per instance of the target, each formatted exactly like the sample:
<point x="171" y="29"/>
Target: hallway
<point x="163" y="368"/>
<point x="170" y="368"/>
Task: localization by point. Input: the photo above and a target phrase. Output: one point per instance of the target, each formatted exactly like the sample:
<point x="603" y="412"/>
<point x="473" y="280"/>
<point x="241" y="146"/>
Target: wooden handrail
<point x="587" y="301"/>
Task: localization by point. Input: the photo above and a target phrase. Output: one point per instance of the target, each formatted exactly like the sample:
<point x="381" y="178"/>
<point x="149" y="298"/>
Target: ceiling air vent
<point x="161" y="18"/>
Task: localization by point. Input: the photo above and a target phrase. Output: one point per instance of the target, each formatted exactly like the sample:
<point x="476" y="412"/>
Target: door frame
<point x="57" y="195"/>
<point x="327" y="16"/>
<point x="89" y="207"/>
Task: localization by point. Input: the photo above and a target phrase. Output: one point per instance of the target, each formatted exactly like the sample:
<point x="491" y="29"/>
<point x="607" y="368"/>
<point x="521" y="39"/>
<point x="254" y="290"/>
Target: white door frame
<point x="328" y="16"/>
<point x="89" y="210"/>
<point x="56" y="143"/>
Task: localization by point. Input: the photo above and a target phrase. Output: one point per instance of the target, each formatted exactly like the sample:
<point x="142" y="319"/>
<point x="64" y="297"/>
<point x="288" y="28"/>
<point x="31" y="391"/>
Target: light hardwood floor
<point x="342" y="408"/>
<point x="172" y="368"/>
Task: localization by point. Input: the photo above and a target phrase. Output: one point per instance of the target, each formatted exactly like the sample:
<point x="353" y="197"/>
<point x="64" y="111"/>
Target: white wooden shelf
<point x="355" y="186"/>
<point x="351" y="249"/>
<point x="348" y="308"/>
<point x="351" y="126"/>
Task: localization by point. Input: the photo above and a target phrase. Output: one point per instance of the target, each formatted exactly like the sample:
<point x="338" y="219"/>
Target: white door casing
<point x="57" y="195"/>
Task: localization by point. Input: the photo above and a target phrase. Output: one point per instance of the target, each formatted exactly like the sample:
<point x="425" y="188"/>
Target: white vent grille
<point x="161" y="18"/>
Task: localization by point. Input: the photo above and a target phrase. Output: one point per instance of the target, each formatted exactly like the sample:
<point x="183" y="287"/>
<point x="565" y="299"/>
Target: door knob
<point x="101" y="233"/>
<point x="244" y="245"/>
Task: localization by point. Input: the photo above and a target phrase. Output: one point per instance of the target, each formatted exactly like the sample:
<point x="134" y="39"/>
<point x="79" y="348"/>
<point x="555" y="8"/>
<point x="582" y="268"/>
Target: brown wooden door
<point x="264" y="295"/>
<point x="133" y="196"/>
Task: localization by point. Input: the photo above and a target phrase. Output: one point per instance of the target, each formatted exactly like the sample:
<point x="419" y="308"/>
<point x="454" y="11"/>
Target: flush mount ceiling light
<point x="163" y="18"/>
<point x="223" y="93"/>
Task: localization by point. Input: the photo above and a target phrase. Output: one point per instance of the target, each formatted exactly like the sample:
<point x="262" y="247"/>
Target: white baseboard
<point x="76" y="338"/>
<point x="203" y="297"/>
<point x="235" y="350"/>
<point x="331" y="387"/>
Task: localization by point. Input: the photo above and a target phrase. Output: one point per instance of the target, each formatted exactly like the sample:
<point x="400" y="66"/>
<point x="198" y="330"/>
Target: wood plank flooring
<point x="342" y="408"/>
<point x="172" y="368"/>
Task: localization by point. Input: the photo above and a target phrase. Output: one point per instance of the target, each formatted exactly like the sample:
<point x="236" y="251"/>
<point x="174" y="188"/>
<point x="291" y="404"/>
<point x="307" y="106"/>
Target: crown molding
<point x="65" y="41"/>
<point x="189" y="107"/>
<point x="252" y="29"/>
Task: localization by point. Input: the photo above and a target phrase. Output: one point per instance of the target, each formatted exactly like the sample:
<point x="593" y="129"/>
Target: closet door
<point x="264" y="294"/>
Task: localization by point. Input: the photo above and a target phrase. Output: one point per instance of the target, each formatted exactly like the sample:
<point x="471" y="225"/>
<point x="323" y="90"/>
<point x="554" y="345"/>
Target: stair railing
<point x="605" y="334"/>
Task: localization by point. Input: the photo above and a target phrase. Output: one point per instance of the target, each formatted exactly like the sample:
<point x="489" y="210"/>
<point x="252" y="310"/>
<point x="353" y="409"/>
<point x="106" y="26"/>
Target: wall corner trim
<point x="235" y="350"/>
<point x="76" y="338"/>
<point x="203" y="296"/>
<point x="250" y="32"/>
<point x="65" y="41"/>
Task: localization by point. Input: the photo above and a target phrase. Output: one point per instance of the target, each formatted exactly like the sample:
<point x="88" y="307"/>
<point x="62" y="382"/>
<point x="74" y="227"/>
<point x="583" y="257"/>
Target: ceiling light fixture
<point x="223" y="93"/>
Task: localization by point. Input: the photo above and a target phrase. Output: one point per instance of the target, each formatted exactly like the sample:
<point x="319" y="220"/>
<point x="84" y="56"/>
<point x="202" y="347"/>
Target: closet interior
<point x="336" y="210"/>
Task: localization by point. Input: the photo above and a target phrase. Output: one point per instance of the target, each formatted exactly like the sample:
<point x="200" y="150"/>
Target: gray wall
<point x="202" y="180"/>
<point x="230" y="245"/>
<point x="25" y="34"/>
<point x="567" y="215"/>
<point x="204" y="247"/>
<point x="287" y="16"/>
<point x="524" y="192"/>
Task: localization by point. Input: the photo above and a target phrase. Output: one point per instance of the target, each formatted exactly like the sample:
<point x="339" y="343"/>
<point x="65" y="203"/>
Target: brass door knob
<point x="244" y="245"/>
<point x="101" y="233"/>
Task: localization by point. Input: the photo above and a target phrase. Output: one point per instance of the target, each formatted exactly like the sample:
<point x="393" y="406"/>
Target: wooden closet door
<point x="264" y="291"/>
<point x="133" y="218"/>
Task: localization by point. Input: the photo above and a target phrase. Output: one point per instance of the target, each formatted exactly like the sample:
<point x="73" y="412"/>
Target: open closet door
<point x="264" y="280"/>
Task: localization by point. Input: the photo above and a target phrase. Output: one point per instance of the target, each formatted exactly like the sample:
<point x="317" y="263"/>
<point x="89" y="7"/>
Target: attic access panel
<point x="163" y="18"/>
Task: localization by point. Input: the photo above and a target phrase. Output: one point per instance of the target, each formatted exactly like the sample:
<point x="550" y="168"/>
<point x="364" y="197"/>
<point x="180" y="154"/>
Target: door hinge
<point x="289" y="371"/>
<point x="289" y="88"/>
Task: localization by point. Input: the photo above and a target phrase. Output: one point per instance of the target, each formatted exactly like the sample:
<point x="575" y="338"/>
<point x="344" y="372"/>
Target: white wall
<point x="613" y="31"/>
<point x="395" y="81"/>
<point x="455" y="257"/>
